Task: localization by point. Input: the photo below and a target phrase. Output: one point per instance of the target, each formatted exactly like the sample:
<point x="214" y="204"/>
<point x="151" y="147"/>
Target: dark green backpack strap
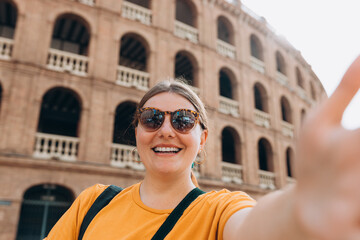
<point x="174" y="216"/>
<point x="101" y="201"/>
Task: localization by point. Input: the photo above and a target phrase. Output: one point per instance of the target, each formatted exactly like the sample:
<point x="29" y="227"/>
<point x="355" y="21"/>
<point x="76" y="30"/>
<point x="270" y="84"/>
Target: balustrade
<point x="231" y="172"/>
<point x="135" y="12"/>
<point x="267" y="179"/>
<point x="124" y="156"/>
<point x="287" y="129"/>
<point x="55" y="146"/>
<point x="290" y="180"/>
<point x="301" y="93"/>
<point x="229" y="106"/>
<point x="87" y="2"/>
<point x="65" y="61"/>
<point x="226" y="49"/>
<point x="257" y="64"/>
<point x="261" y="118"/>
<point x="129" y="77"/>
<point x="6" y="46"/>
<point x="282" y="79"/>
<point x="185" y="31"/>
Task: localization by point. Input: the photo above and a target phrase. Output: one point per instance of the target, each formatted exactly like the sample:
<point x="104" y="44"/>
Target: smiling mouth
<point x="166" y="149"/>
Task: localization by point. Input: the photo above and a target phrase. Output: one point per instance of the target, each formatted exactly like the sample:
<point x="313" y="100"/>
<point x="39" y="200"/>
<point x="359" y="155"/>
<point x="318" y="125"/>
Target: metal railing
<point x="185" y="31"/>
<point x="129" y="77"/>
<point x="124" y="156"/>
<point x="261" y="118"/>
<point x="229" y="106"/>
<point x="231" y="172"/>
<point x="226" y="49"/>
<point x="267" y="179"/>
<point x="257" y="64"/>
<point x="6" y="45"/>
<point x="64" y="61"/>
<point x="49" y="146"/>
<point x="135" y="12"/>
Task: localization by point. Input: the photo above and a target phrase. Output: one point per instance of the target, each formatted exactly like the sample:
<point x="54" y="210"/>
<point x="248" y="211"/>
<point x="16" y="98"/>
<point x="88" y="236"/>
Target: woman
<point x="171" y="130"/>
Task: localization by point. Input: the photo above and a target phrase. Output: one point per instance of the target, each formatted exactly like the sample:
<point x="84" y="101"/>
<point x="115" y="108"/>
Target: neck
<point x="165" y="192"/>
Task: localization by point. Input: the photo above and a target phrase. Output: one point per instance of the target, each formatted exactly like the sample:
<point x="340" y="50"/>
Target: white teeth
<point x="166" y="149"/>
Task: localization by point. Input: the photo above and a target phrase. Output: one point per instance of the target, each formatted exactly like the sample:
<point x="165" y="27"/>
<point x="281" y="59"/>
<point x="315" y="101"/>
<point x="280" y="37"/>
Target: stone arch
<point x="230" y="146"/>
<point x="256" y="47"/>
<point x="260" y="98"/>
<point x="225" y="30"/>
<point x="280" y="63"/>
<point x="41" y="208"/>
<point x="186" y="12"/>
<point x="227" y="83"/>
<point x="124" y="132"/>
<point x="134" y="51"/>
<point x="60" y="107"/>
<point x="9" y="12"/>
<point x="286" y="112"/>
<point x="186" y="67"/>
<point x="71" y="33"/>
<point x="289" y="162"/>
<point x="299" y="78"/>
<point x="265" y="155"/>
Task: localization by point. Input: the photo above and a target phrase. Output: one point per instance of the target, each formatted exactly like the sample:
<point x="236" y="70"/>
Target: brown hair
<point x="176" y="86"/>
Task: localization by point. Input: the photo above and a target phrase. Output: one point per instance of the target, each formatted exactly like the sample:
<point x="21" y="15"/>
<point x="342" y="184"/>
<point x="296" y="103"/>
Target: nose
<point x="166" y="130"/>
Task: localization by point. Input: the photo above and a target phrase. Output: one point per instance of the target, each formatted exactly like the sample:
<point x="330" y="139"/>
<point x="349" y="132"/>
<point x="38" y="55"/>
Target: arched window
<point x="285" y="110"/>
<point x="133" y="53"/>
<point x="231" y="149"/>
<point x="256" y="47"/>
<point x="71" y="34"/>
<point x="124" y="132"/>
<point x="185" y="67"/>
<point x="60" y="112"/>
<point x="280" y="63"/>
<point x="225" y="30"/>
<point x="8" y="19"/>
<point x="260" y="97"/>
<point x="142" y="3"/>
<point x="289" y="162"/>
<point x="265" y="155"/>
<point x="185" y="12"/>
<point x="226" y="89"/>
<point x="299" y="78"/>
<point x="303" y="115"/>
<point x="41" y="208"/>
<point x="313" y="92"/>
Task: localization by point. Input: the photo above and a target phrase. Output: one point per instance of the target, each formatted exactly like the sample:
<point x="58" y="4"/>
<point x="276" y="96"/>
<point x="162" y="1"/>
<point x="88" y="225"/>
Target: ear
<point x="203" y="138"/>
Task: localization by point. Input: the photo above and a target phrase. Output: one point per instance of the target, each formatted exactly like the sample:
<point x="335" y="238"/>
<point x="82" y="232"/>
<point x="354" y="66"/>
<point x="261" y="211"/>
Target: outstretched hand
<point x="328" y="167"/>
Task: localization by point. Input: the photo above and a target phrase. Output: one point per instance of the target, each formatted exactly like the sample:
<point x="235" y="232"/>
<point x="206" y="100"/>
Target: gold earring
<point x="202" y="159"/>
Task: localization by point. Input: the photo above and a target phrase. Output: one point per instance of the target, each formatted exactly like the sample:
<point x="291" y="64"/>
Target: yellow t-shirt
<point x="126" y="217"/>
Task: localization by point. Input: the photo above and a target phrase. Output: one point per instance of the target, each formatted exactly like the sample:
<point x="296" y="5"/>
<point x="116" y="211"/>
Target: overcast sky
<point x="326" y="32"/>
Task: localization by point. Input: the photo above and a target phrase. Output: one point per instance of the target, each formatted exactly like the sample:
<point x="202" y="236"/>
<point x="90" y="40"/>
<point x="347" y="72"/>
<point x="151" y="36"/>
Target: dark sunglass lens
<point x="183" y="121"/>
<point x="151" y="119"/>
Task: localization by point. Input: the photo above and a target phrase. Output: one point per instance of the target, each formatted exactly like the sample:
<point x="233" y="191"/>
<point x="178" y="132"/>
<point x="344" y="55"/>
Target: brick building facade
<point x="72" y="72"/>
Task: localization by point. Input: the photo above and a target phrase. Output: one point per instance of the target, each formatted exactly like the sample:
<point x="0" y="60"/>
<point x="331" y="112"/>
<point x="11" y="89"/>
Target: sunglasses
<point x="182" y="120"/>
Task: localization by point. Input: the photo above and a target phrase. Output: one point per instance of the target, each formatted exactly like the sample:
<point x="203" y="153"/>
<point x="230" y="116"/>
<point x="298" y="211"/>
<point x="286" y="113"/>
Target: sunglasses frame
<point x="196" y="114"/>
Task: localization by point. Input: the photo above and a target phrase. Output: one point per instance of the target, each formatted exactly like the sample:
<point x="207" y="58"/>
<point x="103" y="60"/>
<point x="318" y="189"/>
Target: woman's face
<point x="149" y="144"/>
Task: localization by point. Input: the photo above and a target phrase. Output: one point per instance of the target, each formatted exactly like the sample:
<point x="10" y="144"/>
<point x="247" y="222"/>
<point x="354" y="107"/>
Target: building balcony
<point x="124" y="156"/>
<point x="67" y="62"/>
<point x="49" y="146"/>
<point x="129" y="77"/>
<point x="229" y="106"/>
<point x="225" y="49"/>
<point x="261" y="118"/>
<point x="290" y="180"/>
<point x="185" y="31"/>
<point x="137" y="13"/>
<point x="257" y="64"/>
<point x="267" y="179"/>
<point x="6" y="46"/>
<point x="301" y="93"/>
<point x="282" y="79"/>
<point x="231" y="172"/>
<point x="287" y="129"/>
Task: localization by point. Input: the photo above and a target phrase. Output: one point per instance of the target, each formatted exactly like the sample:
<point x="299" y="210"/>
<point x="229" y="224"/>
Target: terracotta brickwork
<point x="25" y="77"/>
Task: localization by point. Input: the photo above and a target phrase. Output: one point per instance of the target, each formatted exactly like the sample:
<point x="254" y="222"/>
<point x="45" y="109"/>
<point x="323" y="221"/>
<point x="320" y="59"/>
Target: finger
<point x="333" y="109"/>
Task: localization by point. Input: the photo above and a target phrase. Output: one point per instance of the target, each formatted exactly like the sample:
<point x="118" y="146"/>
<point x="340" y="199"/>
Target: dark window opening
<point x="124" y="132"/>
<point x="228" y="146"/>
<point x="285" y="110"/>
<point x="132" y="53"/>
<point x="258" y="99"/>
<point x="184" y="13"/>
<point x="7" y="20"/>
<point x="225" y="85"/>
<point x="289" y="162"/>
<point x="223" y="31"/>
<point x="280" y="63"/>
<point x="255" y="47"/>
<point x="142" y="3"/>
<point x="184" y="68"/>
<point x="264" y="154"/>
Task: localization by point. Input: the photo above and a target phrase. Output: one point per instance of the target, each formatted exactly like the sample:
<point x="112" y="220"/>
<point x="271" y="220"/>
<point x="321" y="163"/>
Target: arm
<point x="324" y="204"/>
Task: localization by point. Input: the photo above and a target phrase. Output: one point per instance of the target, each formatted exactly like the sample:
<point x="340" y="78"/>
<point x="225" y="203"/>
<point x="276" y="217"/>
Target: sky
<point x="326" y="32"/>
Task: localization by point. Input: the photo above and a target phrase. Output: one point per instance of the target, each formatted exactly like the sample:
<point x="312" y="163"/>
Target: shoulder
<point x="225" y="196"/>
